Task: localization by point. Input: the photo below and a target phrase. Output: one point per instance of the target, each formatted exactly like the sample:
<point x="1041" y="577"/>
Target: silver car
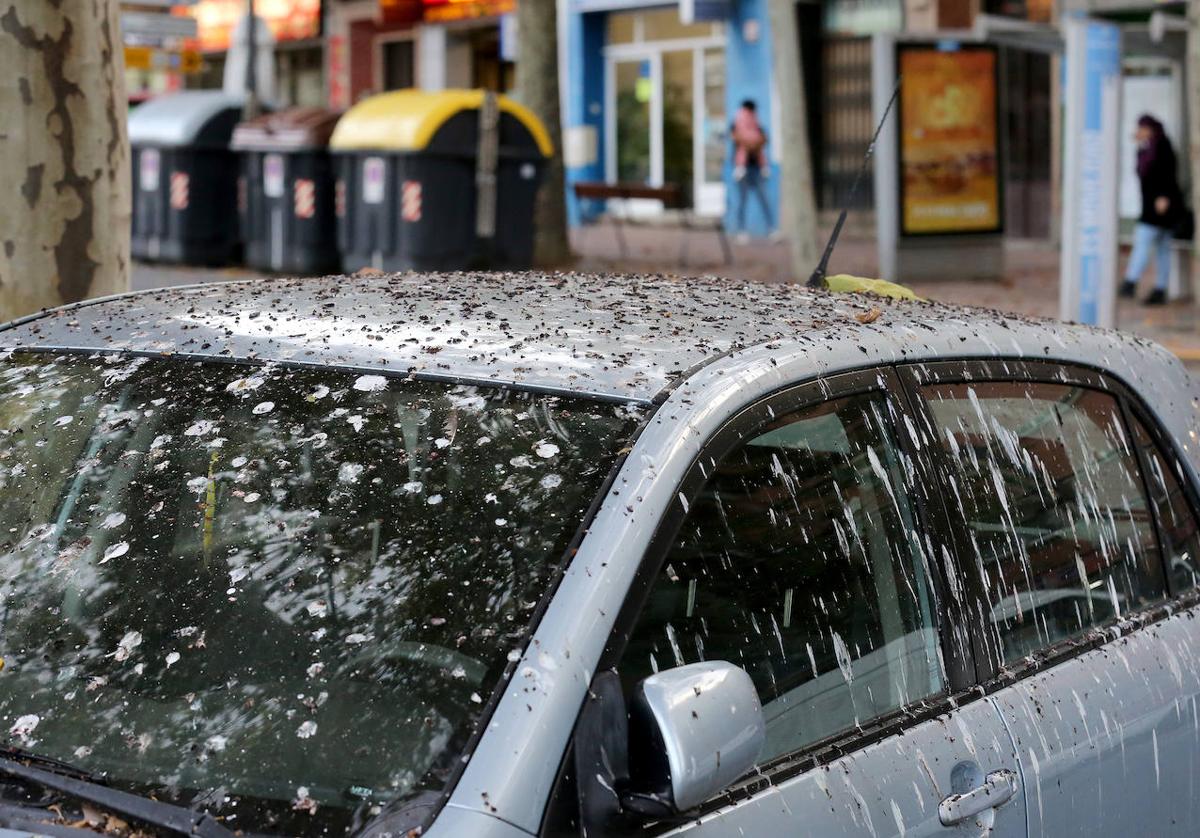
<point x="490" y="556"/>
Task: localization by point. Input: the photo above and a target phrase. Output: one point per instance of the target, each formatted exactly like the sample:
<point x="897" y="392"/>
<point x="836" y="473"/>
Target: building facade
<point x="650" y="91"/>
<point x="378" y="45"/>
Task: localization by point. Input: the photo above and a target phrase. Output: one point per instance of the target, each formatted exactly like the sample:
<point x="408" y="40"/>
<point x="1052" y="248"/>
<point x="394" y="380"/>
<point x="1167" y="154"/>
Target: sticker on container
<point x="373" y="175"/>
<point x="148" y="166"/>
<point x="410" y="200"/>
<point x="304" y="198"/>
<point x="273" y="176"/>
<point x="179" y="190"/>
<point x="339" y="198"/>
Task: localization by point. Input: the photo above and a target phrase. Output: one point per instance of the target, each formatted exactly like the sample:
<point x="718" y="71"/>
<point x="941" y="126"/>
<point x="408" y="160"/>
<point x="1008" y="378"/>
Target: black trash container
<point x="286" y="189"/>
<point x="185" y="178"/>
<point x="437" y="181"/>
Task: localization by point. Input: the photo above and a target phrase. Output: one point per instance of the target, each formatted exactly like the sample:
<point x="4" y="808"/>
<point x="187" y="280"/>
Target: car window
<point x="1180" y="536"/>
<point x="285" y="594"/>
<point x="800" y="561"/>
<point x="1057" y="520"/>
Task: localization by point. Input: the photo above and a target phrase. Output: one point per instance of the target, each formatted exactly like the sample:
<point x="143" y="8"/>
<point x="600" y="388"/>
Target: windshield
<point x="284" y="595"/>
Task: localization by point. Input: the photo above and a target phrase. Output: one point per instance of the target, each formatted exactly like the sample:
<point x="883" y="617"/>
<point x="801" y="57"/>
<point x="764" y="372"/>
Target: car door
<point x="1095" y="676"/>
<point x="802" y="550"/>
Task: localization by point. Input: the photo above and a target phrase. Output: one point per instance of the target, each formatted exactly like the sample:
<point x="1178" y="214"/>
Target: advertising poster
<point x="949" y="151"/>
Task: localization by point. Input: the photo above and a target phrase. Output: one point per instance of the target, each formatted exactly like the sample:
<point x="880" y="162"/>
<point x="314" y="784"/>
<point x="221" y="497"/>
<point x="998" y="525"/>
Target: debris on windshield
<point x="112" y="521"/>
<point x="127" y="644"/>
<point x="202" y="427"/>
<point x="115" y="551"/>
<point x="241" y="386"/>
<point x="304" y="803"/>
<point x="386" y="535"/>
<point x="23" y="727"/>
<point x="370" y="383"/>
<point x="349" y="472"/>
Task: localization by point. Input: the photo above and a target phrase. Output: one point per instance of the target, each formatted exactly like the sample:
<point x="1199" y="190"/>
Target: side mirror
<point x="693" y="730"/>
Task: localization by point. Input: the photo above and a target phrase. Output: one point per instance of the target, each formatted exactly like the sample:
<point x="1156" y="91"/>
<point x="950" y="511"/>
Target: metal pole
<point x="251" y="108"/>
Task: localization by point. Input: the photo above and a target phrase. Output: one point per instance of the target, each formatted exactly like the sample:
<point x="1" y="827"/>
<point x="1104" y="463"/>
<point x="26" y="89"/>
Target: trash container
<point x="437" y="181"/>
<point x="185" y="178"/>
<point x="286" y="191"/>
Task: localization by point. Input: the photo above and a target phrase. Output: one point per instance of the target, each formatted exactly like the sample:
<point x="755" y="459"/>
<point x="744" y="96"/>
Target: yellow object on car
<point x="847" y="284"/>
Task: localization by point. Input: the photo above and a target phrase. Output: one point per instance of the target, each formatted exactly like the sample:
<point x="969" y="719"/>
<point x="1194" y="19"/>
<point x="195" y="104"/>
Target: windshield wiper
<point x="49" y="763"/>
<point x="177" y="819"/>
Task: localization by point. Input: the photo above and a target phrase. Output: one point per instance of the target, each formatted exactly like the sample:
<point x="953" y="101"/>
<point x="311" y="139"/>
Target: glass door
<point x="666" y="121"/>
<point x="712" y="140"/>
<point x="633" y="86"/>
<point x="679" y="117"/>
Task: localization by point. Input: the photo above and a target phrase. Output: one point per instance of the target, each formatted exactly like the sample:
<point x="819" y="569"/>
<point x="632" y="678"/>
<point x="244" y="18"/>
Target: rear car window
<point x="799" y="561"/>
<point x="282" y="594"/>
<point x="1057" y="519"/>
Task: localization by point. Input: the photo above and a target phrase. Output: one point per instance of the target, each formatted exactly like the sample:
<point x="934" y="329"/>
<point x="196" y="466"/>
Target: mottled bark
<point x="64" y="154"/>
<point x="798" y="211"/>
<point x="537" y="89"/>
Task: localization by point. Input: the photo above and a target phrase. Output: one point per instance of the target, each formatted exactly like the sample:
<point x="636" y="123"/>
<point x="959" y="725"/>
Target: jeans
<point x="1147" y="238"/>
<point x="752" y="182"/>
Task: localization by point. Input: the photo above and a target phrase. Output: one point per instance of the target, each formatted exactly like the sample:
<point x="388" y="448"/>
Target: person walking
<point x="750" y="166"/>
<point x="1162" y="206"/>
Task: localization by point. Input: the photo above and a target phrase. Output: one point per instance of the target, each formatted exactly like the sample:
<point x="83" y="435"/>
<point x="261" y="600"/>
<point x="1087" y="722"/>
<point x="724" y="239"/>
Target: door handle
<point x="998" y="788"/>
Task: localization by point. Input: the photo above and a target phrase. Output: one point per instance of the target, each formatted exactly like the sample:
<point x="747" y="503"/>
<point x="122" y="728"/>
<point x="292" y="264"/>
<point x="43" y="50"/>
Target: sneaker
<point x="742" y="238"/>
<point x="775" y="236"/>
<point x="1157" y="297"/>
<point x="1128" y="289"/>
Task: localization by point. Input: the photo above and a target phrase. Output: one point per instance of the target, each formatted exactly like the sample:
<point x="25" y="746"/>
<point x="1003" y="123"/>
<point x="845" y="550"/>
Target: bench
<point x="672" y="198"/>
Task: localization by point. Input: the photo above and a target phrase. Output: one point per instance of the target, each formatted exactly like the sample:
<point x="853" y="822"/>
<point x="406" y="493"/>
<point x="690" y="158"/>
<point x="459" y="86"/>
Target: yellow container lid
<point x="407" y="120"/>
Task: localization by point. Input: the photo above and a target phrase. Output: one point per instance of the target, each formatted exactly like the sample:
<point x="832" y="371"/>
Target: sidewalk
<point x="1030" y="286"/>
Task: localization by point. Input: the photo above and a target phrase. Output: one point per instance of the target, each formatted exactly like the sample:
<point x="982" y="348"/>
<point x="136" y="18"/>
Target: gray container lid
<point x="199" y="118"/>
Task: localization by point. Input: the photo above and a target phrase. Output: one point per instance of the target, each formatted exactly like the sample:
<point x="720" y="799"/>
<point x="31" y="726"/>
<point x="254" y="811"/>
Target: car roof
<point x="617" y="337"/>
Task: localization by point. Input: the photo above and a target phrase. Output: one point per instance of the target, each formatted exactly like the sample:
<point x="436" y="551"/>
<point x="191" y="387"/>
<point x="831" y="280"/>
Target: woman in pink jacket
<point x="750" y="166"/>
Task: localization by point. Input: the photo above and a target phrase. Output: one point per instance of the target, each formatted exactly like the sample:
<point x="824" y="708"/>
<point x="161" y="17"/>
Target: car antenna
<point x="817" y="280"/>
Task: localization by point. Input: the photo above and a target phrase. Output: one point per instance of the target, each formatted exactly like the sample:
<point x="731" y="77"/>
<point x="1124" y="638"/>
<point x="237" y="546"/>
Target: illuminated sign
<point x="444" y="10"/>
<point x="288" y="20"/>
<point x="949" y="142"/>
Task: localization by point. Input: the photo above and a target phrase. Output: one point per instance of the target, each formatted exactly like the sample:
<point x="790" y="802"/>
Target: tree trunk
<point x="798" y="212"/>
<point x="537" y="89"/>
<point x="64" y="149"/>
<point x="1193" y="108"/>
